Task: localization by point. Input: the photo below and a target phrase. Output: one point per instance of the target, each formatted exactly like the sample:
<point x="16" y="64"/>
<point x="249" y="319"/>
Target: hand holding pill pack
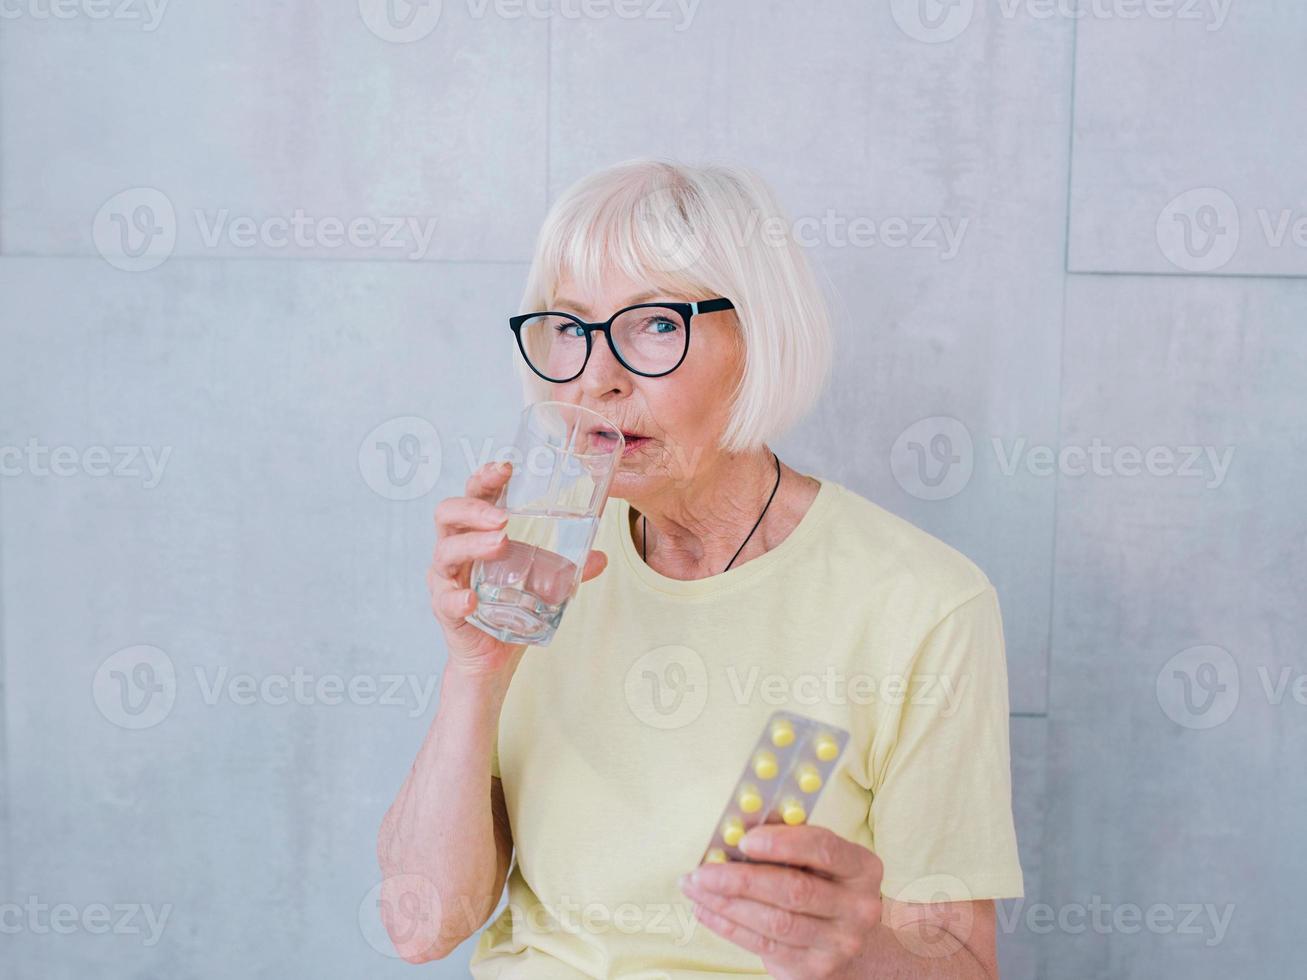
<point x="788" y="768"/>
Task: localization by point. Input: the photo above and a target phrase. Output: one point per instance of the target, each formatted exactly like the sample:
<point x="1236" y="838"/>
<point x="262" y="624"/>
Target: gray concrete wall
<point x="1088" y="232"/>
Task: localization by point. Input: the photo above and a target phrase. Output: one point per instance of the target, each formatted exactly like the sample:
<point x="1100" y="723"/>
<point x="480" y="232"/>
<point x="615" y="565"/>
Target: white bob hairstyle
<point x="697" y="233"/>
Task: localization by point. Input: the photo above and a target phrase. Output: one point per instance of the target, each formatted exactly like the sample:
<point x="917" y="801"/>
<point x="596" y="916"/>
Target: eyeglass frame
<point x="686" y="310"/>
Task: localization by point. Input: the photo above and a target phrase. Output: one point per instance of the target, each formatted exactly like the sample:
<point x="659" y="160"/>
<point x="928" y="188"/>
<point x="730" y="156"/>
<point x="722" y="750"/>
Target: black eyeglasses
<point x="648" y="339"/>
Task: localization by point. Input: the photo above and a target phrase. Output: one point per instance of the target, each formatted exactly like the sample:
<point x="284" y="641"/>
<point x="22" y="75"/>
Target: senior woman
<point x="724" y="585"/>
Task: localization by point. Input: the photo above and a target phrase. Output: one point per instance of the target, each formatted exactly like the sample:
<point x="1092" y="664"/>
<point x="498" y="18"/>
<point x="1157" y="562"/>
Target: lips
<point x="628" y="436"/>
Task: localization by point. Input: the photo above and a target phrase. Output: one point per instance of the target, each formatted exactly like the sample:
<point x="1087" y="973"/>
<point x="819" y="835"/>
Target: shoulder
<point x="894" y="556"/>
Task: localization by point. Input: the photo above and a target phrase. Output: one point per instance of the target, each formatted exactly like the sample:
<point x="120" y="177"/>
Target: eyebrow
<point x="585" y="310"/>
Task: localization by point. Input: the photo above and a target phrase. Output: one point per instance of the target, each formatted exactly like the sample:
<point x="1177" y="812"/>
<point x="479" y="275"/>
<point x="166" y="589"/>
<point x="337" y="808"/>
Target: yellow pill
<point x="764" y="765"/>
<point x="827" y="748"/>
<point x="782" y="733"/>
<point x="715" y="856"/>
<point x="732" y="830"/>
<point x="750" y="800"/>
<point x="809" y="779"/>
<point x="792" y="812"/>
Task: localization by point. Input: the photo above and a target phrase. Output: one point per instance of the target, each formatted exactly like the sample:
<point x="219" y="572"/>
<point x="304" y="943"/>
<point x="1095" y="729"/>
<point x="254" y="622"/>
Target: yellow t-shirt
<point x="620" y="741"/>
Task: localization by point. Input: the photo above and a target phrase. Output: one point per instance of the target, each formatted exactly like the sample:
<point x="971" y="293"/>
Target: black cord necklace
<point x="644" y="525"/>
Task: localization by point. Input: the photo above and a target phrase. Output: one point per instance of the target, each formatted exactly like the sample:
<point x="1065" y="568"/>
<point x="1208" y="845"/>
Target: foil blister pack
<point x="790" y="764"/>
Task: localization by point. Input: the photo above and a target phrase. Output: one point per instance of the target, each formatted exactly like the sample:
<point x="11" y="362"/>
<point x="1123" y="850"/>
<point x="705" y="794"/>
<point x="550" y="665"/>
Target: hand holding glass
<point x="564" y="458"/>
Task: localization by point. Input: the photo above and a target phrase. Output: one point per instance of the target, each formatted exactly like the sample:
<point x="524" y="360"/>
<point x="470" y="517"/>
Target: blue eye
<point x="660" y="326"/>
<point x="563" y="328"/>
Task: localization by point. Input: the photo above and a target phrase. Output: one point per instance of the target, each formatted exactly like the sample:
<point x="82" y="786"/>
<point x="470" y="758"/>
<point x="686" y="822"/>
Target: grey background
<point x="1075" y="144"/>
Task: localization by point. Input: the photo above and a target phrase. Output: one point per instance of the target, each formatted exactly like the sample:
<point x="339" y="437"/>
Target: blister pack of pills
<point x="782" y="780"/>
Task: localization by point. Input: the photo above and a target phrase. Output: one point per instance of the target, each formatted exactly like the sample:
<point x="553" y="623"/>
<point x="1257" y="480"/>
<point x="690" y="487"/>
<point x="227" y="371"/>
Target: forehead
<point x="615" y="291"/>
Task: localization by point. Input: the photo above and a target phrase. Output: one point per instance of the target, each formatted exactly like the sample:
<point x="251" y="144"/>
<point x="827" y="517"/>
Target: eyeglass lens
<point x="650" y="339"/>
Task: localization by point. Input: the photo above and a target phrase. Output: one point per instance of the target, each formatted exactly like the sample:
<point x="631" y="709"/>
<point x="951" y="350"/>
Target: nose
<point x="603" y="373"/>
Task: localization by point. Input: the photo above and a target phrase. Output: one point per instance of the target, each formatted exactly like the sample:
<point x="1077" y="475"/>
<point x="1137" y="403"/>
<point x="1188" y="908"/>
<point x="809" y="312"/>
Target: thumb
<point x="595" y="563"/>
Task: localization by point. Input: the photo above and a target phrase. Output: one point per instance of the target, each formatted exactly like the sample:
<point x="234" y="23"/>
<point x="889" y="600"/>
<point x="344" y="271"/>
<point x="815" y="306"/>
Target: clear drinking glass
<point x="563" y="460"/>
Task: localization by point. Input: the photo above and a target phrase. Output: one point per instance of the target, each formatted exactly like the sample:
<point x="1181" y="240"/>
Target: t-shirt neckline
<point x="732" y="578"/>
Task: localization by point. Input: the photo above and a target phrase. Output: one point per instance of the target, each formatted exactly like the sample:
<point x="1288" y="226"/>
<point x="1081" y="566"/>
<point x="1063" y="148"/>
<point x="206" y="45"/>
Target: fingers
<point x="453" y="606"/>
<point x="468" y="513"/>
<point x="595" y="562"/>
<point x="787" y="888"/>
<point x="453" y="555"/>
<point x="766" y="929"/>
<point x="811" y="847"/>
<point x="488" y="480"/>
<point x="472" y="527"/>
<point x="725" y="917"/>
<point x="785" y="912"/>
<point x="468" y="528"/>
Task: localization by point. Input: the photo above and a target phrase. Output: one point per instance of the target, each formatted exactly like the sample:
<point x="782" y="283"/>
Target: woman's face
<point x="672" y="424"/>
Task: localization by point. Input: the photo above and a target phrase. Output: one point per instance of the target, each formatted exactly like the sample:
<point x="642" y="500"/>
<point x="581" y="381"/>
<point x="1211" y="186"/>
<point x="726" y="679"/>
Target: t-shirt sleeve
<point x="941" y="808"/>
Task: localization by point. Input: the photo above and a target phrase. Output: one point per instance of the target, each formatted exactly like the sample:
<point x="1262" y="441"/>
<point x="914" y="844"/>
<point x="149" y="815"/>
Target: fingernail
<point x="504" y="466"/>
